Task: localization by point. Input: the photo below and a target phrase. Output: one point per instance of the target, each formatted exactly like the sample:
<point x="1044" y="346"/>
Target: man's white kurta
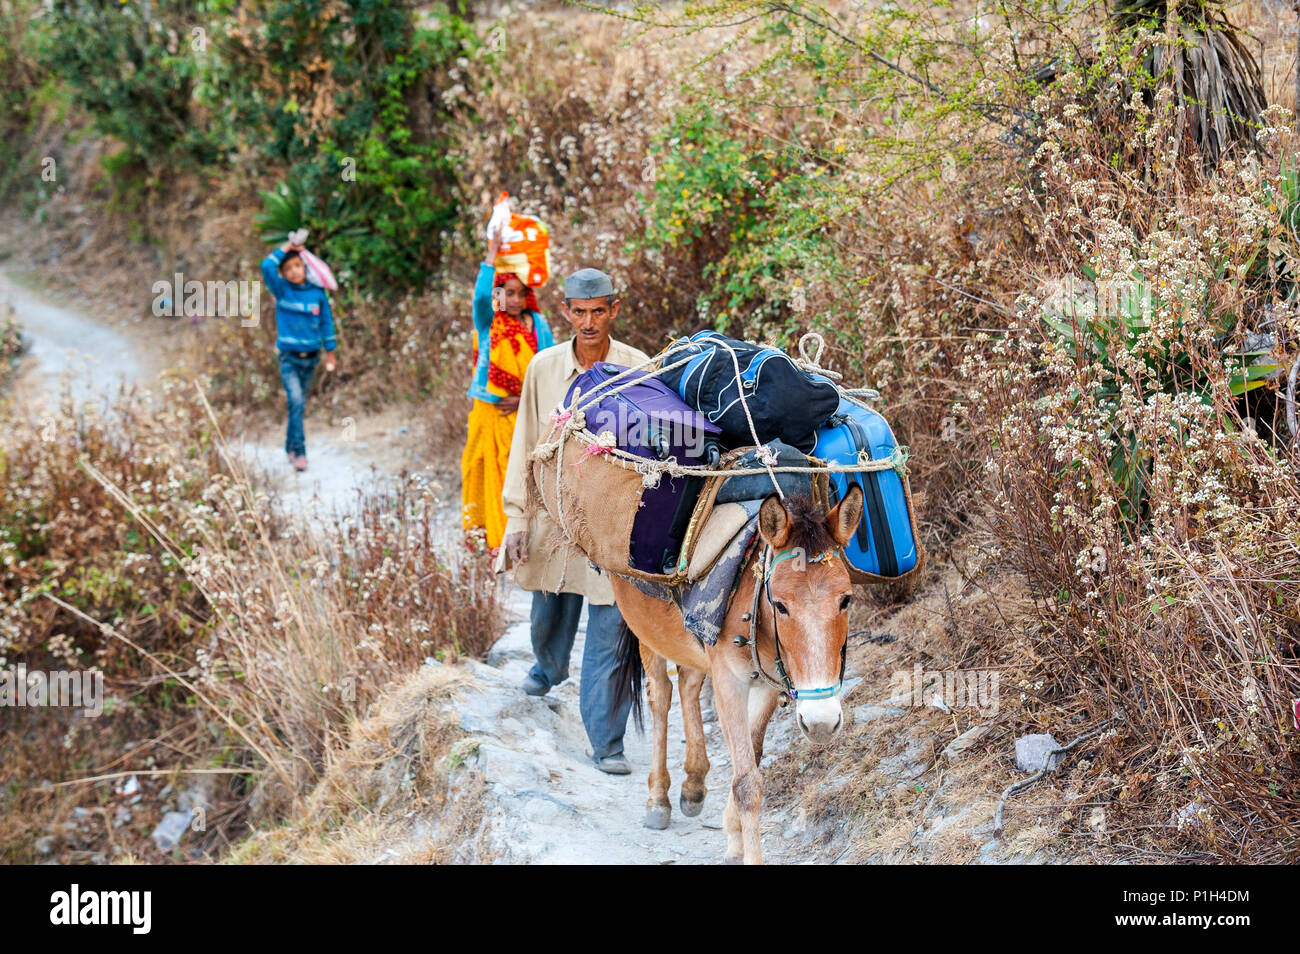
<point x="546" y="383"/>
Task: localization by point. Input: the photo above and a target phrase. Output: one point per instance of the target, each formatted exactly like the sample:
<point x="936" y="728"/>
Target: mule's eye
<point x="844" y="603"/>
<point x="780" y="608"/>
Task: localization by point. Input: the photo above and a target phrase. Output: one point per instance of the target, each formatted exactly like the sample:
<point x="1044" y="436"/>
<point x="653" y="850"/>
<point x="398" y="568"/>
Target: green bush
<point x="347" y="100"/>
<point x="748" y="210"/>
<point x="22" y="81"/>
<point x="134" y="70"/>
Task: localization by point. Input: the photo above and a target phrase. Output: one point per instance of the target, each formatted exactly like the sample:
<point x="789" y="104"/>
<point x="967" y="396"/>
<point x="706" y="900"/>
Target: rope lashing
<point x="900" y="457"/>
<point x="603" y="445"/>
<point x="895" y="461"/>
<point x="605" y="391"/>
<point x="813" y="366"/>
<point x="571" y="422"/>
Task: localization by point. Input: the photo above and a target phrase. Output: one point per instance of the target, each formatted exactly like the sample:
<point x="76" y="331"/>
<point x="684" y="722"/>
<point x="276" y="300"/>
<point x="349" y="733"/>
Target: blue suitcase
<point x="884" y="545"/>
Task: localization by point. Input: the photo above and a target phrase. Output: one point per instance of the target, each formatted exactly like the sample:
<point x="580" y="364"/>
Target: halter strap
<point x="784" y="685"/>
<point x="791" y="553"/>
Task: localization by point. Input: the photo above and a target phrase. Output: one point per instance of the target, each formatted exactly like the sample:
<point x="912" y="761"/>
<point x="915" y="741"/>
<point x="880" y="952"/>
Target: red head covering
<point x="530" y="301"/>
<point x="505" y="328"/>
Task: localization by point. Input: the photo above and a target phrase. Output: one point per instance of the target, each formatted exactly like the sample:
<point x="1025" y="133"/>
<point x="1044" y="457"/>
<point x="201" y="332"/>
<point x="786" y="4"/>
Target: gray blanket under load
<point x="704" y="604"/>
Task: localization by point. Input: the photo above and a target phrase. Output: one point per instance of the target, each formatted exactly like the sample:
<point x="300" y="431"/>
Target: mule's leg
<point x="731" y="697"/>
<point x="731" y="822"/>
<point x="660" y="690"/>
<point x="761" y="706"/>
<point x="689" y="683"/>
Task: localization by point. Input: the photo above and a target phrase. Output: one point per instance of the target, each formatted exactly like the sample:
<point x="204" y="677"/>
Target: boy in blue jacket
<point x="303" y="326"/>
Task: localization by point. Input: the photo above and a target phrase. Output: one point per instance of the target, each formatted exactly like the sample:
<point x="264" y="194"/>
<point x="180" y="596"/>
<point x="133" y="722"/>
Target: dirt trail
<point x="94" y="356"/>
<point x="97" y="355"/>
<point x="552" y="806"/>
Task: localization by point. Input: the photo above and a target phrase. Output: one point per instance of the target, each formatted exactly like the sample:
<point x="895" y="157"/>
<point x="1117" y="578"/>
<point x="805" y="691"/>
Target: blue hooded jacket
<point x="483" y="315"/>
<point x="303" y="321"/>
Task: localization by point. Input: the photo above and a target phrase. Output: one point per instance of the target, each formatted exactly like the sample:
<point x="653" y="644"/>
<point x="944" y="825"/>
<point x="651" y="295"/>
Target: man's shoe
<point x="534" y="686"/>
<point x="614" y="765"/>
<point x="300" y="462"/>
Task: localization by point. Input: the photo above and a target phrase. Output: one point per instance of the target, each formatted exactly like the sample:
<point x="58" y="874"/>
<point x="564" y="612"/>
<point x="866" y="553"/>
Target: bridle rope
<point x="781" y="683"/>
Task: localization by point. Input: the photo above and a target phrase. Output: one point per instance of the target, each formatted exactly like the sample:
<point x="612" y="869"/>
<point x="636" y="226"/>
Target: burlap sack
<point x="592" y="502"/>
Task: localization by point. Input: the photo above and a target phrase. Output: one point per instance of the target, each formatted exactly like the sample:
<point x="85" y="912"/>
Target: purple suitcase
<point x="649" y="419"/>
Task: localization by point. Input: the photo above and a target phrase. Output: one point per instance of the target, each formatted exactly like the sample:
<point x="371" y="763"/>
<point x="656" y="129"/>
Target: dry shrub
<point x="309" y="633"/>
<point x="64" y="533"/>
<point x="1154" y="523"/>
<point x="234" y="646"/>
<point x="12" y="344"/>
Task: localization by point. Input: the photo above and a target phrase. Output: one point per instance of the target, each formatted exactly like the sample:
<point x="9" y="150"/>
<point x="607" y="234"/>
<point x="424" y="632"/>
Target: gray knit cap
<point x="588" y="283"/>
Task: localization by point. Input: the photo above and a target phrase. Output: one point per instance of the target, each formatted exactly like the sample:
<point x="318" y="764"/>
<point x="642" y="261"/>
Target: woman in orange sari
<point x="508" y="330"/>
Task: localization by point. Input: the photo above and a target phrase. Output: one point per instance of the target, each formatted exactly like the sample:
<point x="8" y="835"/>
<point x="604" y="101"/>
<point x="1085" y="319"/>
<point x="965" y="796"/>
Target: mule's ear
<point x="774" y="522"/>
<point x="842" y="521"/>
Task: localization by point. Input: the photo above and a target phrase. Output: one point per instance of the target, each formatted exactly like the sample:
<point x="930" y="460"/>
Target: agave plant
<point x="1287" y="198"/>
<point x="1216" y="78"/>
<point x="281" y="212"/>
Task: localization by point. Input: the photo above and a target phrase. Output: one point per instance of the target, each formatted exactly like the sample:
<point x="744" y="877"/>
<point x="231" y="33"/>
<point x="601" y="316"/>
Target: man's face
<point x="514" y="296"/>
<point x="294" y="271"/>
<point x="590" y="318"/>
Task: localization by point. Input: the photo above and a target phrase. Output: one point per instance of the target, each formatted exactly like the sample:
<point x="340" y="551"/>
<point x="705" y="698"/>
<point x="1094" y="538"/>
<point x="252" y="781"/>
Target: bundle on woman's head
<point x="525" y="249"/>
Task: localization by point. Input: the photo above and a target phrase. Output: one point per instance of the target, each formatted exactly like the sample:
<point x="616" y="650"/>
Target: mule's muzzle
<point x="820" y="720"/>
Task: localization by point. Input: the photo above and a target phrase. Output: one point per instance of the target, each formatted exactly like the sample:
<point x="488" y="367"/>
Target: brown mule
<point x="659" y="690"/>
<point x="791" y="598"/>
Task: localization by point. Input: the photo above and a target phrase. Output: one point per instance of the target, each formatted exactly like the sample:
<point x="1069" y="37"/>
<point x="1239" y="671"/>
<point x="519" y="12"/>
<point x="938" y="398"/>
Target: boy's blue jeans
<point x="296" y="372"/>
<point x="554" y="626"/>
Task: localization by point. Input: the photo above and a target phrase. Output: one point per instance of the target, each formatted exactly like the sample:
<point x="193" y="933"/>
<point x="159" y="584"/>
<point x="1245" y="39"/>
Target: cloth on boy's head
<point x="588" y="283"/>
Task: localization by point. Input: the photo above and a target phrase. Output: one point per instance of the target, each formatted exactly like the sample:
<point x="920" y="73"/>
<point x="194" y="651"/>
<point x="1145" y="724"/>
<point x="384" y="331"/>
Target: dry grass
<point x="235" y="649"/>
<point x="387" y="797"/>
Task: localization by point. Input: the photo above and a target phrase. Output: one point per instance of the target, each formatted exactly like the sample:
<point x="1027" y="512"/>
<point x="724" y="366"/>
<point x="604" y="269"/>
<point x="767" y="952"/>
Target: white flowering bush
<point x="1139" y="472"/>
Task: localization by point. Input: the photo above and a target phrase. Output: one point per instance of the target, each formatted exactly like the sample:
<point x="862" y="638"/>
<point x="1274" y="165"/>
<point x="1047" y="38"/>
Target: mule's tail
<point x="629" y="674"/>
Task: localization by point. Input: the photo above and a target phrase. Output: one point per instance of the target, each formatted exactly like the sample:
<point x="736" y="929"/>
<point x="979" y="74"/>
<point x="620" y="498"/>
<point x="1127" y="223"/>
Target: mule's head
<point x="810" y="595"/>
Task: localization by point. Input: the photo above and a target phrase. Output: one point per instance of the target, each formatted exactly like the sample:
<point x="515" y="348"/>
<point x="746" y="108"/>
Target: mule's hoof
<point x="691" y="809"/>
<point x="733" y="860"/>
<point x="656" y="817"/>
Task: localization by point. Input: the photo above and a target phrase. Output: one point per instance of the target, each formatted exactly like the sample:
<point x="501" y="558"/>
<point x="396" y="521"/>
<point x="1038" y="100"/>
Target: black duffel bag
<point x="758" y="486"/>
<point x="785" y="402"/>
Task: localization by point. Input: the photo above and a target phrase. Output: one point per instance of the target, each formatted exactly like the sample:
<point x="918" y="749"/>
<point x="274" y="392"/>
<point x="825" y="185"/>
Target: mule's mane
<point x="807" y="527"/>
